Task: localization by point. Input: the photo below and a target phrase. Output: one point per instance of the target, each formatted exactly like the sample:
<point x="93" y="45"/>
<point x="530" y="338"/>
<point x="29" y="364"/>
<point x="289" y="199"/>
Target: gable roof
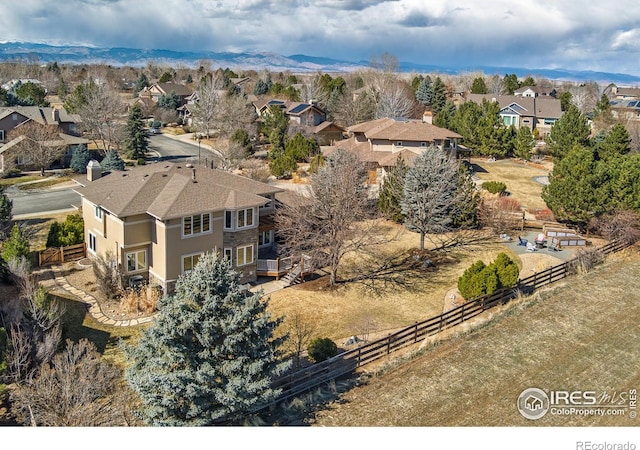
<point x="545" y="107"/>
<point x="403" y="130"/>
<point x="169" y="190"/>
<point x="179" y="89"/>
<point x="42" y="115"/>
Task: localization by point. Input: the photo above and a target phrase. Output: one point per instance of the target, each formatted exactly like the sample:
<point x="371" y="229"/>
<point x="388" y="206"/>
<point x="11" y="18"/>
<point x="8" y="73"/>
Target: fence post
<point x="62" y="254"/>
<point x="415" y="333"/>
<point x="388" y="344"/>
<point x="277" y="269"/>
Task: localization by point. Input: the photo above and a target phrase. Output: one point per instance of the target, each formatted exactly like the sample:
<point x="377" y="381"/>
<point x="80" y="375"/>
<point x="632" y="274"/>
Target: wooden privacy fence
<point x="56" y="255"/>
<point x="345" y="363"/>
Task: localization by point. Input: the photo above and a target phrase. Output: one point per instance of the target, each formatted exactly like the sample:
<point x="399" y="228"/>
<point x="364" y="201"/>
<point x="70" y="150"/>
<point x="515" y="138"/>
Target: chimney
<point x="94" y="170"/>
<point x="55" y="114"/>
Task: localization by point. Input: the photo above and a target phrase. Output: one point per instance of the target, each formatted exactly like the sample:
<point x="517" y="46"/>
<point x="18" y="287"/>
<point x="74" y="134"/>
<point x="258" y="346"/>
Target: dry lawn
<point x="518" y="177"/>
<point x="355" y="309"/>
<point x="580" y="334"/>
<point x="38" y="228"/>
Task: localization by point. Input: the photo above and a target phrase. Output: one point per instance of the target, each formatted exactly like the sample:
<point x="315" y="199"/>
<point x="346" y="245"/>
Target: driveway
<point x="168" y="147"/>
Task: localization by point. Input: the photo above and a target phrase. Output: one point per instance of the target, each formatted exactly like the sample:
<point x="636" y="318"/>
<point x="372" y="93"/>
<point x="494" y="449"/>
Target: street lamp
<point x="199" y="139"/>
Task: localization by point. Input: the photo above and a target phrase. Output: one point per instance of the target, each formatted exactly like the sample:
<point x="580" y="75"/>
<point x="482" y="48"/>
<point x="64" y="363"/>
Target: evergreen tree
<point x="565" y="100"/>
<point x="444" y="118"/>
<point x="570" y="130"/>
<point x="141" y="83"/>
<point x="260" y="88"/>
<point x="16" y="246"/>
<point x="523" y="143"/>
<point x="438" y="96"/>
<point x="424" y="91"/>
<point x="301" y="148"/>
<point x="430" y="193"/>
<point x="112" y="161"/>
<point x="479" y="86"/>
<point x="465" y="214"/>
<point x="577" y="190"/>
<point x="510" y="83"/>
<point x="391" y="192"/>
<point x="415" y="82"/>
<point x="210" y="355"/>
<point x="616" y="142"/>
<point x="170" y="101"/>
<point x="6" y="214"/>
<point x="80" y="159"/>
<point x="136" y="140"/>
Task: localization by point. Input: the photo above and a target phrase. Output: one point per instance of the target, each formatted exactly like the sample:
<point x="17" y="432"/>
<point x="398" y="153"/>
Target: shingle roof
<point x="168" y="190"/>
<point x="410" y="130"/>
<point x="179" y="89"/>
<point x="546" y="107"/>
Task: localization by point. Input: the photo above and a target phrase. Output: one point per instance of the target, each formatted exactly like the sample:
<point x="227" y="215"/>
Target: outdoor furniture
<point x="522" y="242"/>
<point x="531" y="247"/>
<point x="540" y="240"/>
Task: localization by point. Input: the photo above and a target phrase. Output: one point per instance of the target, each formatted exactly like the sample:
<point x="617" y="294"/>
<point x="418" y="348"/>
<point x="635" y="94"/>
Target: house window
<point x="244" y="255"/>
<point x="227" y="254"/>
<point x="245" y="218"/>
<point x="92" y="243"/>
<point x="228" y="223"/>
<point x="98" y="213"/>
<point x="136" y="261"/>
<point x="196" y="224"/>
<point x="265" y="238"/>
<point x="549" y="121"/>
<point x="190" y="261"/>
<point x="1" y="135"/>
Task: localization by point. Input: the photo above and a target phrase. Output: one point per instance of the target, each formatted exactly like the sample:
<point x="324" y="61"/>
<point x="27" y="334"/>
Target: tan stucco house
<point x="157" y="220"/>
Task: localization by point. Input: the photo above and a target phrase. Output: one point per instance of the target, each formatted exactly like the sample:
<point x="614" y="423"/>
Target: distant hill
<point x="77" y="54"/>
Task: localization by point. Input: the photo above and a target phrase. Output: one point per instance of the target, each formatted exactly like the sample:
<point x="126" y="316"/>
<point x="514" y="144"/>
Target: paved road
<point x="173" y="149"/>
<point x="35" y="202"/>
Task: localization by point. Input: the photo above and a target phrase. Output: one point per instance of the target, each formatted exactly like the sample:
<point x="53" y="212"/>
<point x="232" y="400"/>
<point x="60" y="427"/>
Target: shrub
<point x="495" y="187"/>
<point x="502" y="214"/>
<point x="107" y="275"/>
<point x="69" y="232"/>
<point x="143" y="300"/>
<point x="321" y="349"/>
<point x="141" y="161"/>
<point x="584" y="260"/>
<point x="480" y="279"/>
<point x="544" y="214"/>
<point x="16" y="246"/>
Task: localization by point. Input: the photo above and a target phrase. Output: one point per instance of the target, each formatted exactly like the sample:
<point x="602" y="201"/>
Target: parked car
<point x="154" y="130"/>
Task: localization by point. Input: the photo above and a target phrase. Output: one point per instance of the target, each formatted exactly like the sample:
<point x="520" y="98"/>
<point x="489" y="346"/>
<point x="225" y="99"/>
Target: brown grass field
<point x="518" y="177"/>
<point x="582" y="333"/>
<point x="352" y="307"/>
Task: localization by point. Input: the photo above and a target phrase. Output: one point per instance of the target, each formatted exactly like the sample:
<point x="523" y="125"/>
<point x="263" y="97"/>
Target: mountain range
<point x="79" y="54"/>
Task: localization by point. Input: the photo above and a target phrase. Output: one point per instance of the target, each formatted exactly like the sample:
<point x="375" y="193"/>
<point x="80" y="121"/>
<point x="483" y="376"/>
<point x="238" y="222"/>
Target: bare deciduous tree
<point x="234" y="112"/>
<point x="75" y="389"/>
<point x="228" y="155"/>
<point x="208" y="96"/>
<point x="100" y="110"/>
<point x="38" y="145"/>
<point x="300" y="332"/>
<point x="332" y="220"/>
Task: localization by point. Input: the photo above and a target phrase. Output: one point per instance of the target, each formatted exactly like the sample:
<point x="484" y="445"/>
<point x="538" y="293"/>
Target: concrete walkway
<point x="92" y="304"/>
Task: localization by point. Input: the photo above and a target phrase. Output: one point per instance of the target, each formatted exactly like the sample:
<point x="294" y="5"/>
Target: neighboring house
<point x="536" y="113"/>
<point x="155" y="91"/>
<point x="379" y="143"/>
<point x="625" y="109"/>
<point x="535" y="91"/>
<point x="157" y="220"/>
<point x="13" y="117"/>
<point x="307" y="117"/>
<point x="623" y="93"/>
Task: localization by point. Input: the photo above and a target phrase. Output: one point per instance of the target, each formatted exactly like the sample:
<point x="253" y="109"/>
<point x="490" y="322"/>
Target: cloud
<point x="493" y="32"/>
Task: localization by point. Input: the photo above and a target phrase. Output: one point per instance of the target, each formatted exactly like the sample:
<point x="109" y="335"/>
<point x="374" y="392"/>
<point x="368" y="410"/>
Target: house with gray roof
<point x="157" y="220"/>
<point x="537" y="112"/>
<point x="12" y="118"/>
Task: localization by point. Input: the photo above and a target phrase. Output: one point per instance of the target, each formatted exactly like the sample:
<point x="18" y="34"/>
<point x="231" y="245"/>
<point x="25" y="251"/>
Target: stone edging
<point x="94" y="309"/>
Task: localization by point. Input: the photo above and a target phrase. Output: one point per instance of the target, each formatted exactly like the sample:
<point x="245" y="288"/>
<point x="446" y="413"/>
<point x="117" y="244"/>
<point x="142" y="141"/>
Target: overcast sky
<point x="571" y="34"/>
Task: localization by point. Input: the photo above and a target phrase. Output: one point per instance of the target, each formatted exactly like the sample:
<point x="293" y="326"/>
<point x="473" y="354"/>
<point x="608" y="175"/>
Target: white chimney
<point x="94" y="170"/>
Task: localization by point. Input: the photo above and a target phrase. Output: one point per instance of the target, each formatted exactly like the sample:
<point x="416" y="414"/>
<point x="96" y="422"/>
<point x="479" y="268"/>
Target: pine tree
<point x="135" y="141"/>
<point x="112" y="161"/>
<point x="479" y="86"/>
<point x="391" y="192"/>
<point x="424" y="92"/>
<point x="523" y="143"/>
<point x="16" y="246"/>
<point x="80" y="159"/>
<point x="571" y="129"/>
<point x="6" y="214"/>
<point x="438" y="96"/>
<point x="430" y="193"/>
<point x="210" y="355"/>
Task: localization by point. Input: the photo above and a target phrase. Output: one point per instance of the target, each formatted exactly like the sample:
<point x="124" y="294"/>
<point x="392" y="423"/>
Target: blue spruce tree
<point x="210" y="354"/>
